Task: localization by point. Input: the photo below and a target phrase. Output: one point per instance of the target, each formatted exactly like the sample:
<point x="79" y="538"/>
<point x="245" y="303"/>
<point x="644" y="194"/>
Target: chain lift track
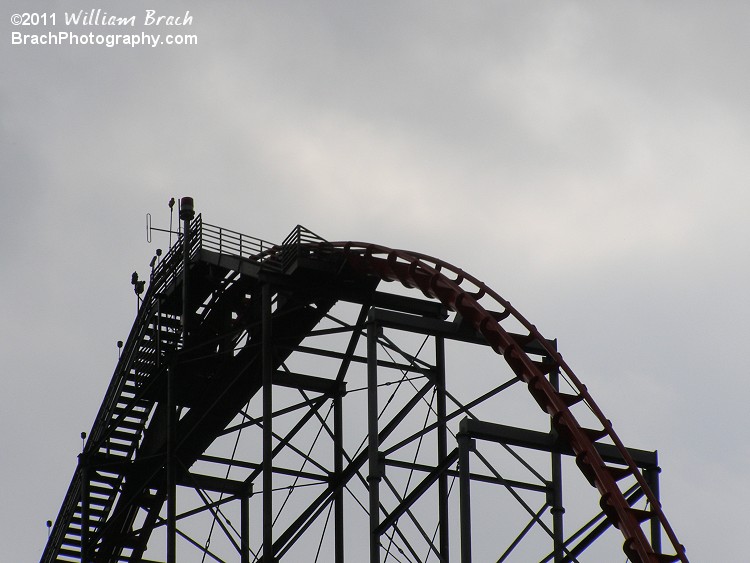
<point x="223" y="318"/>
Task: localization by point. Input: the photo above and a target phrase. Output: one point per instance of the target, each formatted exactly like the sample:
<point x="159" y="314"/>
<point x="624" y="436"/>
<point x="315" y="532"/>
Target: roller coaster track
<point x="462" y="293"/>
<point x="121" y="472"/>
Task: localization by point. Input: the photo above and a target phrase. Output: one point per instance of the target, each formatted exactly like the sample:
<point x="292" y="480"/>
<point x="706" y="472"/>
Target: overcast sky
<point x="590" y="161"/>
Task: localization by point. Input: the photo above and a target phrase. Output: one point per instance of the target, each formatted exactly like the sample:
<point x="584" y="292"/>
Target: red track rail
<point x="462" y="293"/>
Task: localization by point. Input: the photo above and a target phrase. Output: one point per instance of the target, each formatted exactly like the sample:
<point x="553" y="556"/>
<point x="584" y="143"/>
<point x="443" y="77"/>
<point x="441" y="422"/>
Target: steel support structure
<point x="442" y="447"/>
<point x="373" y="453"/>
<point x="338" y="468"/>
<point x="267" y="369"/>
<point x="465" y="446"/>
<point x="556" y="502"/>
<point x="376" y="423"/>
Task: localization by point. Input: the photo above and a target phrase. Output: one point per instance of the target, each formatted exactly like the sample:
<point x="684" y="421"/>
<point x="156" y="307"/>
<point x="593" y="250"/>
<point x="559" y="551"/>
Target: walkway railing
<point x="226" y="241"/>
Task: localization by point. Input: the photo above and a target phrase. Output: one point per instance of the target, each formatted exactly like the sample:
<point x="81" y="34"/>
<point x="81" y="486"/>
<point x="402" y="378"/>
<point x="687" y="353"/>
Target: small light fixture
<point x="138" y="285"/>
<point x="187" y="210"/>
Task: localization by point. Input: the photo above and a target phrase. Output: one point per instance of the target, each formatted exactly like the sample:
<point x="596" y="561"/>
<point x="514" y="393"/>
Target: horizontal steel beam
<point x="309" y="383"/>
<point x="215" y="484"/>
<point x="393" y="302"/>
<point x="548" y="442"/>
<point x="452" y="330"/>
<point x="474" y="476"/>
<point x="280" y="470"/>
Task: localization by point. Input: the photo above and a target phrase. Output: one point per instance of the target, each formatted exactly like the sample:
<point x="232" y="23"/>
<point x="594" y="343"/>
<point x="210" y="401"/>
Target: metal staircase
<point x="120" y="470"/>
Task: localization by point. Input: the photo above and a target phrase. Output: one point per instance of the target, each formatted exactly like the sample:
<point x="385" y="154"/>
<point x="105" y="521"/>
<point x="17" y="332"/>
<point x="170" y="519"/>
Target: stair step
<point x="168" y="322"/>
<point x="112" y="461"/>
<point x="101" y="490"/>
<point x="93" y="511"/>
<point x="145" y="362"/>
<point x="168" y="342"/>
<point x="168" y="338"/>
<point x="130" y="389"/>
<point x="133" y="413"/>
<point x="125" y="411"/>
<point x="73" y="542"/>
<point x="129" y="407"/>
<point x="124" y="436"/>
<point x="130" y="425"/>
<point x="112" y="447"/>
<point x="93" y="524"/>
<point x="98" y="501"/>
<point x="110" y="480"/>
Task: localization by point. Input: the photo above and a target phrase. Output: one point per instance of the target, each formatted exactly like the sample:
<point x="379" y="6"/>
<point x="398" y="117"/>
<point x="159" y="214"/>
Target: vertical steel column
<point x="373" y="479"/>
<point x="556" y="505"/>
<point x="652" y="478"/>
<point x="338" y="468"/>
<point x="245" y="527"/>
<point x="186" y="215"/>
<point x="442" y="445"/>
<point x="465" y="444"/>
<point x="267" y="367"/>
<point x="171" y="477"/>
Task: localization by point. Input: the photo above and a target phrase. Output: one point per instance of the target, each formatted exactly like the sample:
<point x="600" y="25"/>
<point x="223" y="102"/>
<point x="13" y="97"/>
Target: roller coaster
<point x="285" y="402"/>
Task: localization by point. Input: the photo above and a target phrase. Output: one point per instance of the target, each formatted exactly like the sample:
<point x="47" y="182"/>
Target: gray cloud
<point x="589" y="162"/>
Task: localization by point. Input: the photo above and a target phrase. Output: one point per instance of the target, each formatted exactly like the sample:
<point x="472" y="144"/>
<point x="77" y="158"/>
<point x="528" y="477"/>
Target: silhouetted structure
<point x="281" y="402"/>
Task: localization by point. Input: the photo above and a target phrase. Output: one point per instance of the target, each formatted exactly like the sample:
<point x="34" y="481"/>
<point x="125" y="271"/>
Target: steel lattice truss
<point x="280" y="402"/>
